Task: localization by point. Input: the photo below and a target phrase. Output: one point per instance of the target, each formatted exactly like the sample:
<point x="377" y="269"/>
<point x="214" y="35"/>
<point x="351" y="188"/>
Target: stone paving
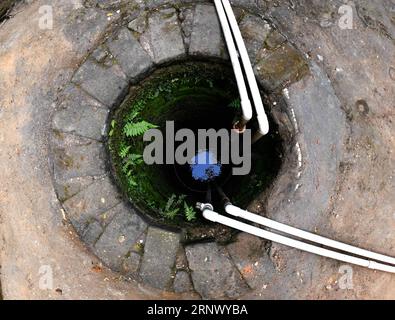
<point x="106" y="223"/>
<point x="34" y="228"/>
<point x="206" y="37"/>
<point x="75" y="115"/>
<point x="159" y="257"/>
<point x="132" y="58"/>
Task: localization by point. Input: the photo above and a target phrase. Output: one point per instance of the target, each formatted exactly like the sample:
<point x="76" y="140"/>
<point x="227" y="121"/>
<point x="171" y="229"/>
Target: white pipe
<point x="237" y="212"/>
<point x="209" y="214"/>
<point x="245" y="100"/>
<point x="245" y="58"/>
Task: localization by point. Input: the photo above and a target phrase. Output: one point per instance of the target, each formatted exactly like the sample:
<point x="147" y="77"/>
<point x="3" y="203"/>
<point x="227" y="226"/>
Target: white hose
<point x="237" y="212"/>
<point x="210" y="215"/>
<point x="245" y="100"/>
<point x="256" y="96"/>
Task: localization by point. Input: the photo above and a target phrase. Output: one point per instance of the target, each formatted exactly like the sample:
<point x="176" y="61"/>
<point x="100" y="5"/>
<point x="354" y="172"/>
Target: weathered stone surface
<point x="274" y="40"/>
<point x="251" y="5"/>
<point x="207" y="38"/>
<point x="252" y="261"/>
<point x="84" y="27"/>
<point x="108" y="85"/>
<point x="106" y="4"/>
<point x="163" y="39"/>
<point x="182" y="282"/>
<point x="322" y="128"/>
<point x="130" y="265"/>
<point x="25" y="108"/>
<point x="186" y="17"/>
<point x="159" y="257"/>
<point x="139" y="24"/>
<point x="120" y="236"/>
<point x="104" y="57"/>
<point x="91" y="203"/>
<point x="152" y="4"/>
<point x="376" y="18"/>
<point x="81" y="115"/>
<point x="65" y="189"/>
<point x="181" y="260"/>
<point x="92" y="233"/>
<point x="75" y="157"/>
<point x="100" y="54"/>
<point x="213" y="272"/>
<point x="254" y="31"/>
<point x="281" y="67"/>
<point x="106" y="217"/>
<point x="132" y="58"/>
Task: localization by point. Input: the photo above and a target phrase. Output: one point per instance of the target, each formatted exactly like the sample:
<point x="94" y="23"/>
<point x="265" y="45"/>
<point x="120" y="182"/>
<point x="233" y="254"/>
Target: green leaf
<point x="136" y="159"/>
<point x="172" y="207"/>
<point x="134" y="115"/>
<point x="113" y="124"/>
<point x="130" y="163"/>
<point x="170" y="202"/>
<point x="123" y="153"/>
<point x="132" y="129"/>
<point x="190" y="213"/>
<point x="132" y="182"/>
<point x="235" y="104"/>
<point x="171" y="214"/>
<point x="179" y="201"/>
<point x="210" y="83"/>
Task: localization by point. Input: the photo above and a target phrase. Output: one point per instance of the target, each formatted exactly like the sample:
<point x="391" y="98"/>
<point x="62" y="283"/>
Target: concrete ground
<point x="349" y="197"/>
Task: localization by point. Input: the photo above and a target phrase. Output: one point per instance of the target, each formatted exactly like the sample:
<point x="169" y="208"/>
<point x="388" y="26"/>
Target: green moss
<point x="58" y="134"/>
<point x="66" y="191"/>
<point x="139" y="248"/>
<point x="67" y="161"/>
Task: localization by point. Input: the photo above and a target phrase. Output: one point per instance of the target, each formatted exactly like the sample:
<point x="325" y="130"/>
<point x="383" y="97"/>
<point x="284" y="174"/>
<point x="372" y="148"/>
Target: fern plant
<point x="170" y="211"/>
<point x="235" y="104"/>
<point x="190" y="213"/>
<point x="124" y="152"/>
<point x="133" y="129"/>
<point x="172" y="207"/>
<point x="179" y="200"/>
<point x="132" y="160"/>
<point x="129" y="165"/>
<point x="135" y="159"/>
<point x="171" y="214"/>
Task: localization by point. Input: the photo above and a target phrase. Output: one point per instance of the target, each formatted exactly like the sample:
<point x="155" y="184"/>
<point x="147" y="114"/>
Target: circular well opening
<point x="194" y="95"/>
